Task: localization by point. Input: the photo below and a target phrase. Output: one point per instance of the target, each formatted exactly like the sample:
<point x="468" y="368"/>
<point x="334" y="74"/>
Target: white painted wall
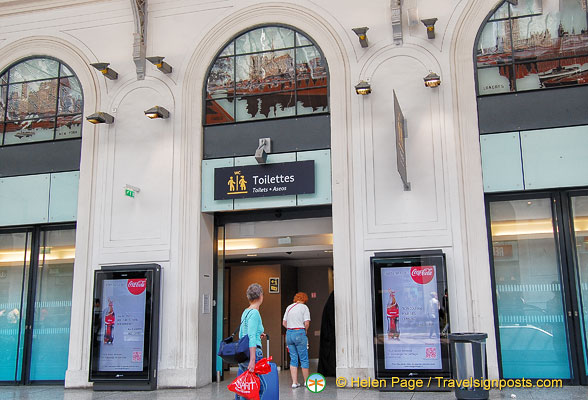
<point x="371" y="211"/>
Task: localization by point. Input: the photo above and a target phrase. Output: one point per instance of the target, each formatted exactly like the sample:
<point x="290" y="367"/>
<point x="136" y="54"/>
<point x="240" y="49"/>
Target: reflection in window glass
<point x="528" y="288"/>
<point x="221" y="78"/>
<point x="265" y="39"/>
<point x="32" y="98"/>
<point x="495" y="80"/>
<point x="4" y="78"/>
<point x="527" y="7"/>
<point x="272" y="66"/>
<point x="501" y="13"/>
<point x="70" y="96"/>
<point x="494" y="44"/>
<point x="69" y="126"/>
<point x="266" y="106"/>
<point x="220" y="111"/>
<point x="311" y="69"/>
<point x="3" y="90"/>
<point x="265" y="72"/>
<point x="549" y="44"/>
<point x="34" y="69"/>
<point x="312" y="101"/>
<point x="30" y="130"/>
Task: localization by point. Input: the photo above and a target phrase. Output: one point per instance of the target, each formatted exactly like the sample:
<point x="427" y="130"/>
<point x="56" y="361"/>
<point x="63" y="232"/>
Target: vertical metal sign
<point x="401" y="134"/>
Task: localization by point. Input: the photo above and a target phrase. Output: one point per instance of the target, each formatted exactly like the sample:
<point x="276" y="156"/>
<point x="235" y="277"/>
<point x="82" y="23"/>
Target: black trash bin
<point x="468" y="361"/>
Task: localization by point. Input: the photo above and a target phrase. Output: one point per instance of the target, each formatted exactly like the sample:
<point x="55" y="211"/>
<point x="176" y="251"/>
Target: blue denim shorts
<point x="298" y="346"/>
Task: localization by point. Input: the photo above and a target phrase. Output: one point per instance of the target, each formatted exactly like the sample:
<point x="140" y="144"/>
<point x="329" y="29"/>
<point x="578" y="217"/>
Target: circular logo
<point x="422" y="275"/>
<point x="136" y="286"/>
<point x="316" y="383"/>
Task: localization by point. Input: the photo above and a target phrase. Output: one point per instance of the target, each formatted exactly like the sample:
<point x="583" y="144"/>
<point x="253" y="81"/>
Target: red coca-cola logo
<point x="136" y="286"/>
<point x="422" y="275"/>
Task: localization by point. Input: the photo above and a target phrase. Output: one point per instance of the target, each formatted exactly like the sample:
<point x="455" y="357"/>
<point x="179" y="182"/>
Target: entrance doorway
<point x="539" y="245"/>
<point x="285" y="256"/>
<point x="36" y="277"/>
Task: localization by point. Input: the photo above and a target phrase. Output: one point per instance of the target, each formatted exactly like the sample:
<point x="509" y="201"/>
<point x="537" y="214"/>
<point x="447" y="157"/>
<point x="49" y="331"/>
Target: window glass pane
<point x="311" y="69"/>
<point x="65" y="71"/>
<point x="264" y="39"/>
<point x="312" y="101"/>
<point x="14" y="260"/>
<point x="68" y="127"/>
<point x="527" y="7"/>
<point x="38" y="68"/>
<point x="502" y="12"/>
<point x="265" y="72"/>
<point x="557" y="73"/>
<point x="529" y="298"/>
<point x="34" y="130"/>
<point x="494" y="46"/>
<point x="221" y="78"/>
<point x="266" y="106"/>
<point x="32" y="99"/>
<point x="495" y="80"/>
<point x="302" y="40"/>
<point x="3" y="90"/>
<point x="70" y="96"/>
<point x="4" y="78"/>
<point x="50" y="345"/>
<point x="580" y="214"/>
<point x="229" y="50"/>
<point x="219" y="111"/>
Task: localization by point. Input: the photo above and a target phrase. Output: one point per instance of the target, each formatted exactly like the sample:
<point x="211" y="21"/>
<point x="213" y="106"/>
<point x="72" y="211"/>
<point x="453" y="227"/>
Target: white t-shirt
<point x="296" y="314"/>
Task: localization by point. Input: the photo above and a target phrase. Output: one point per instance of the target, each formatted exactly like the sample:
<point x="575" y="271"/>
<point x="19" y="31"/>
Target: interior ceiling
<point x="304" y="242"/>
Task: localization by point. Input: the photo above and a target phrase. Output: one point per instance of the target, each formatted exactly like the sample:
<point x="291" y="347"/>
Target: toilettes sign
<point x="264" y="180"/>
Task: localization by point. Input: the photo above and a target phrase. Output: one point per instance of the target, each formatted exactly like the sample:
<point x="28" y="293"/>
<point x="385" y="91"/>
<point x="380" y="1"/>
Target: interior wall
<point x="270" y="310"/>
<point x="314" y="281"/>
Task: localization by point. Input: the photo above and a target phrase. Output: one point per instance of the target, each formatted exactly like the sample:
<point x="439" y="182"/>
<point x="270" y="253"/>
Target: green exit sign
<point x="130" y="193"/>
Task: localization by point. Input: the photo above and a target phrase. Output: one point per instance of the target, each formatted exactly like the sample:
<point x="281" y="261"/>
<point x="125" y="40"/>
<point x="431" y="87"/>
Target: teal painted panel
<point x="63" y="196"/>
<point x="266" y="202"/>
<point x="209" y="204"/>
<point x="322" y="177"/>
<point x="501" y="162"/>
<point x="555" y="157"/>
<point x="24" y="200"/>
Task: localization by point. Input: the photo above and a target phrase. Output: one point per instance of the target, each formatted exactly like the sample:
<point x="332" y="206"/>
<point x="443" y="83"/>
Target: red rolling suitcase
<point x="272" y="389"/>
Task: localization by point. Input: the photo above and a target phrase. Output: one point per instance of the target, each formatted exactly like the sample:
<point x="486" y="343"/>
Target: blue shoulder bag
<point x="234" y="352"/>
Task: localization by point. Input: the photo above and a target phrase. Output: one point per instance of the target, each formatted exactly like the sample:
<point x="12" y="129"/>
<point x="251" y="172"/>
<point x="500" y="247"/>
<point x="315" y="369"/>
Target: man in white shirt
<point x="297" y="320"/>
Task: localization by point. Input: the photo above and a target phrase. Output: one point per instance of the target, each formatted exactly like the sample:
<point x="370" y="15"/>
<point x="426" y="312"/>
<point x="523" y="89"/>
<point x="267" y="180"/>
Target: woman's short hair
<point x="254" y="291"/>
<point x="300" y="296"/>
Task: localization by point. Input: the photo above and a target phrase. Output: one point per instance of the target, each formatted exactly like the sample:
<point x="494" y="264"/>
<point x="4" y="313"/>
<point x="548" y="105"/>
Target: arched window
<point x="266" y="73"/>
<point x="40" y="100"/>
<point x="535" y="44"/>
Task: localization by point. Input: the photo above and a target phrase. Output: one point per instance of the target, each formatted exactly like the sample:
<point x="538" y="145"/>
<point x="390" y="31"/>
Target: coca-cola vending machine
<point x="125" y="327"/>
<point x="410" y="312"/>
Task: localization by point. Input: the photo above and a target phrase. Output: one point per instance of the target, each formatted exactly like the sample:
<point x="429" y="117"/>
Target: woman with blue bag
<point x="252" y="326"/>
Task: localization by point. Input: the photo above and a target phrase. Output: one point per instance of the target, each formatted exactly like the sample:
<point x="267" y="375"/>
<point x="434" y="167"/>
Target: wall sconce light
<point x="100" y="118"/>
<point x="107" y="72"/>
<point x="160" y="64"/>
<point x="432" y="80"/>
<point x="157" y="112"/>
<point x="430" y="24"/>
<point x="361" y="34"/>
<point x="265" y="147"/>
<point x="363" y="88"/>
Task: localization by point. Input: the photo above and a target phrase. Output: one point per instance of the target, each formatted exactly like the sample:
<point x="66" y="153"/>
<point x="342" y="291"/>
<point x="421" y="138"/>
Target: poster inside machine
<point x="122" y="332"/>
<point x="411" y="314"/>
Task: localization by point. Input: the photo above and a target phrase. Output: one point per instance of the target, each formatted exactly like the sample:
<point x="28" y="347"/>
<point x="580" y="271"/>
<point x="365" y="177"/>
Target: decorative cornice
<point x="8" y="7"/>
<point x="140" y="36"/>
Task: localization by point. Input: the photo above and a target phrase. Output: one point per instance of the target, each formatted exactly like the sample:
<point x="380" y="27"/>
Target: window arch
<point x="535" y="44"/>
<point x="40" y="100"/>
<point x="266" y="73"/>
